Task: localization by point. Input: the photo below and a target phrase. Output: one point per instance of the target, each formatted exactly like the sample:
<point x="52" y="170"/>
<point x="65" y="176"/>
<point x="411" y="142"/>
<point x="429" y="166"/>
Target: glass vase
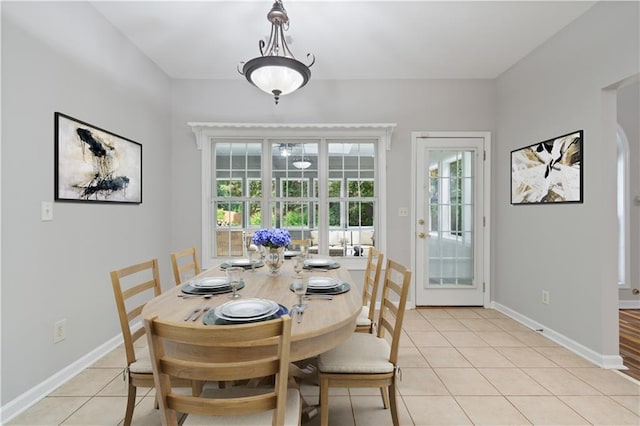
<point x="274" y="256"/>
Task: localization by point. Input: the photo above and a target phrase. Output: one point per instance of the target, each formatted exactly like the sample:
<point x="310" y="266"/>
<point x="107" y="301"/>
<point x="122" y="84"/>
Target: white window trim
<point x="205" y="132"/>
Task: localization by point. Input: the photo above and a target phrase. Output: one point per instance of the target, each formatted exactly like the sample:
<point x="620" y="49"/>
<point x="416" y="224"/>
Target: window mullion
<point x="323" y="194"/>
<point x="267" y="178"/>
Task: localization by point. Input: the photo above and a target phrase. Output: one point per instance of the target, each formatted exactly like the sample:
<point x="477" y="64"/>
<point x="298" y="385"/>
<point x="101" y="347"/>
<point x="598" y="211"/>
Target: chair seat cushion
<point x="291" y="417"/>
<point x="142" y="363"/>
<point x="363" y="322"/>
<point x="361" y="353"/>
<point x="363" y="317"/>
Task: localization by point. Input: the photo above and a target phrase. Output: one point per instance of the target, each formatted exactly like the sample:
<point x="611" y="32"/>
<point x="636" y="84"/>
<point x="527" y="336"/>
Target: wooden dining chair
<point x="140" y="282"/>
<point x="193" y="357"/>
<point x="229" y="243"/>
<point x="301" y="245"/>
<point x="367" y="360"/>
<point x="185" y="264"/>
<point x="365" y="322"/>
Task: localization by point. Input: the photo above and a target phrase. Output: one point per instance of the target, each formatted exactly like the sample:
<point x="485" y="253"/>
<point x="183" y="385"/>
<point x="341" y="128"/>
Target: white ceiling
<point x="350" y="39"/>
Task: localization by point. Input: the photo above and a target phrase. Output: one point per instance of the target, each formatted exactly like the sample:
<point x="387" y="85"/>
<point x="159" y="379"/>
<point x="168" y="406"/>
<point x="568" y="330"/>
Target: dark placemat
<point x="259" y="264"/>
<point x="189" y="289"/>
<point x="212" y="319"/>
<point x="342" y="288"/>
<point x="335" y="265"/>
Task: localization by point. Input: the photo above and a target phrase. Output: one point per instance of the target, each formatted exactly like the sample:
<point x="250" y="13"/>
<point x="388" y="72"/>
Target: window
<point x="325" y="184"/>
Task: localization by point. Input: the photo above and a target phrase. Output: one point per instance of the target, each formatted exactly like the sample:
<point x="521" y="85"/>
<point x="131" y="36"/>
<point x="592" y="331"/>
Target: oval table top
<point x="325" y="323"/>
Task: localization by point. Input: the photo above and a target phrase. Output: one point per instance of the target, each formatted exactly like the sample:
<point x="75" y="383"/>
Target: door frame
<point x="486" y="136"/>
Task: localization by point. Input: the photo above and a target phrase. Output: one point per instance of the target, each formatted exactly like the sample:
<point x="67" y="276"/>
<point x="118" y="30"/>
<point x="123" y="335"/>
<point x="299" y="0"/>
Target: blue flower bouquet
<point x="272" y="238"/>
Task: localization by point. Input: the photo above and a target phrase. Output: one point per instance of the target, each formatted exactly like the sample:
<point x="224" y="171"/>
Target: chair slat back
<point x="124" y="291"/>
<point x="372" y="280"/>
<point x="299" y="243"/>
<point x="392" y="304"/>
<point x="190" y="359"/>
<point x="229" y="243"/>
<point x="185" y="264"/>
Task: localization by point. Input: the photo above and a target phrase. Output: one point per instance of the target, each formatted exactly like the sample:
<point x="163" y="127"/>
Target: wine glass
<point x="234" y="274"/>
<point x="298" y="264"/>
<point x="299" y="287"/>
<point x="304" y="250"/>
<point x="252" y="259"/>
<point x="248" y="240"/>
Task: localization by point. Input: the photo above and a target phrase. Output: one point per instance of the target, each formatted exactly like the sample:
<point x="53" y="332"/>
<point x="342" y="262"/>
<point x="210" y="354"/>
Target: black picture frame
<point x="548" y="172"/>
<point x="95" y="165"/>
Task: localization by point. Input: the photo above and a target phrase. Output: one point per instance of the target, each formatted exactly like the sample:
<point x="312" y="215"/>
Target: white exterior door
<point x="449" y="214"/>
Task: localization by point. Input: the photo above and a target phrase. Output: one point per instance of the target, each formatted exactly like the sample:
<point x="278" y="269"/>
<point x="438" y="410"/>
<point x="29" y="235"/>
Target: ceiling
<point x="350" y="39"/>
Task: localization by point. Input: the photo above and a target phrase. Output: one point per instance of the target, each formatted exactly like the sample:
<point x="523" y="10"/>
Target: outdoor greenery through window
<point x="320" y="189"/>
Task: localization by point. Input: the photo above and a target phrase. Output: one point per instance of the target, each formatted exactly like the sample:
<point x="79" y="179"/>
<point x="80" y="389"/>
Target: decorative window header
<point x="204" y="130"/>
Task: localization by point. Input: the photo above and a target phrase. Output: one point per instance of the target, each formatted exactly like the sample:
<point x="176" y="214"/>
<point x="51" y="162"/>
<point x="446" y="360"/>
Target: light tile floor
<point x="460" y="366"/>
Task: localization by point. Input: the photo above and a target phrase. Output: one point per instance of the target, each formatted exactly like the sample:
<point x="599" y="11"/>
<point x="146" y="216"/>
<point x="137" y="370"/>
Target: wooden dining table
<point x="324" y="325"/>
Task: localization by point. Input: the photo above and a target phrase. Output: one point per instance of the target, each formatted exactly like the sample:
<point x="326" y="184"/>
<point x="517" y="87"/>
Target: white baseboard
<point x="35" y="394"/>
<point x="604" y="361"/>
<point x="629" y="304"/>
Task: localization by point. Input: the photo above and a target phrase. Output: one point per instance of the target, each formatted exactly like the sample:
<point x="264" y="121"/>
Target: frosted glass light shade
<point x="277" y="75"/>
<point x="272" y="78"/>
<point x="301" y="164"/>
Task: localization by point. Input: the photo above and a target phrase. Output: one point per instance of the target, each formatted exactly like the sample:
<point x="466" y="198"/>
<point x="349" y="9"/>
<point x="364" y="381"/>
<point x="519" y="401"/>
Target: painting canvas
<point x="548" y="172"/>
<point x="95" y="165"/>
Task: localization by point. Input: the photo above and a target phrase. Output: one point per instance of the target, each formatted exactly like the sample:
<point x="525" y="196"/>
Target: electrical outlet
<point x="545" y="297"/>
<point x="60" y="331"/>
<point x="403" y="211"/>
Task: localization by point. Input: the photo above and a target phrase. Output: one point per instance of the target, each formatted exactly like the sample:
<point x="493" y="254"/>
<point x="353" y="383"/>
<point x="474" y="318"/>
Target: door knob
<point x="420" y="234"/>
<point x="421" y="222"/>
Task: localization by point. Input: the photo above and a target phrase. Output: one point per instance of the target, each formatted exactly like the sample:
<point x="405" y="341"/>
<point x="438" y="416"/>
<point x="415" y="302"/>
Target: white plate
<point x="322" y="283"/>
<point x="318" y="262"/>
<point x="210" y="282"/>
<point x="248" y="309"/>
<point x="241" y="320"/>
<point x="291" y="253"/>
<point x="240" y="262"/>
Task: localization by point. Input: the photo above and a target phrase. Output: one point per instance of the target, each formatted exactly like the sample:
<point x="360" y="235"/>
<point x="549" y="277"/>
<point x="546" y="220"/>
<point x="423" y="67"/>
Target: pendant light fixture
<point x="301" y="162"/>
<point x="285" y="150"/>
<point x="277" y="71"/>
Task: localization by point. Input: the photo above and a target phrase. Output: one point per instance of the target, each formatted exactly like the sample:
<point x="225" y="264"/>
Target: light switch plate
<point x="46" y="211"/>
<point x="403" y="211"/>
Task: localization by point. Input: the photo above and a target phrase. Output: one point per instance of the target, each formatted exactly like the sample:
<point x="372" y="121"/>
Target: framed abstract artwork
<point x="95" y="165"/>
<point x="548" y="172"/>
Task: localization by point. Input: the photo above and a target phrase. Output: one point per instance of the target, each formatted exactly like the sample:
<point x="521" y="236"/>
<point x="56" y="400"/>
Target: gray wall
<point x="628" y="112"/>
<point x="415" y="105"/>
<point x="65" y="57"/>
<point x="569" y="250"/>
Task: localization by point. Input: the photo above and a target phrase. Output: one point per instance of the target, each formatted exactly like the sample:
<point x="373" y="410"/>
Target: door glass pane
<point x="451" y="212"/>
